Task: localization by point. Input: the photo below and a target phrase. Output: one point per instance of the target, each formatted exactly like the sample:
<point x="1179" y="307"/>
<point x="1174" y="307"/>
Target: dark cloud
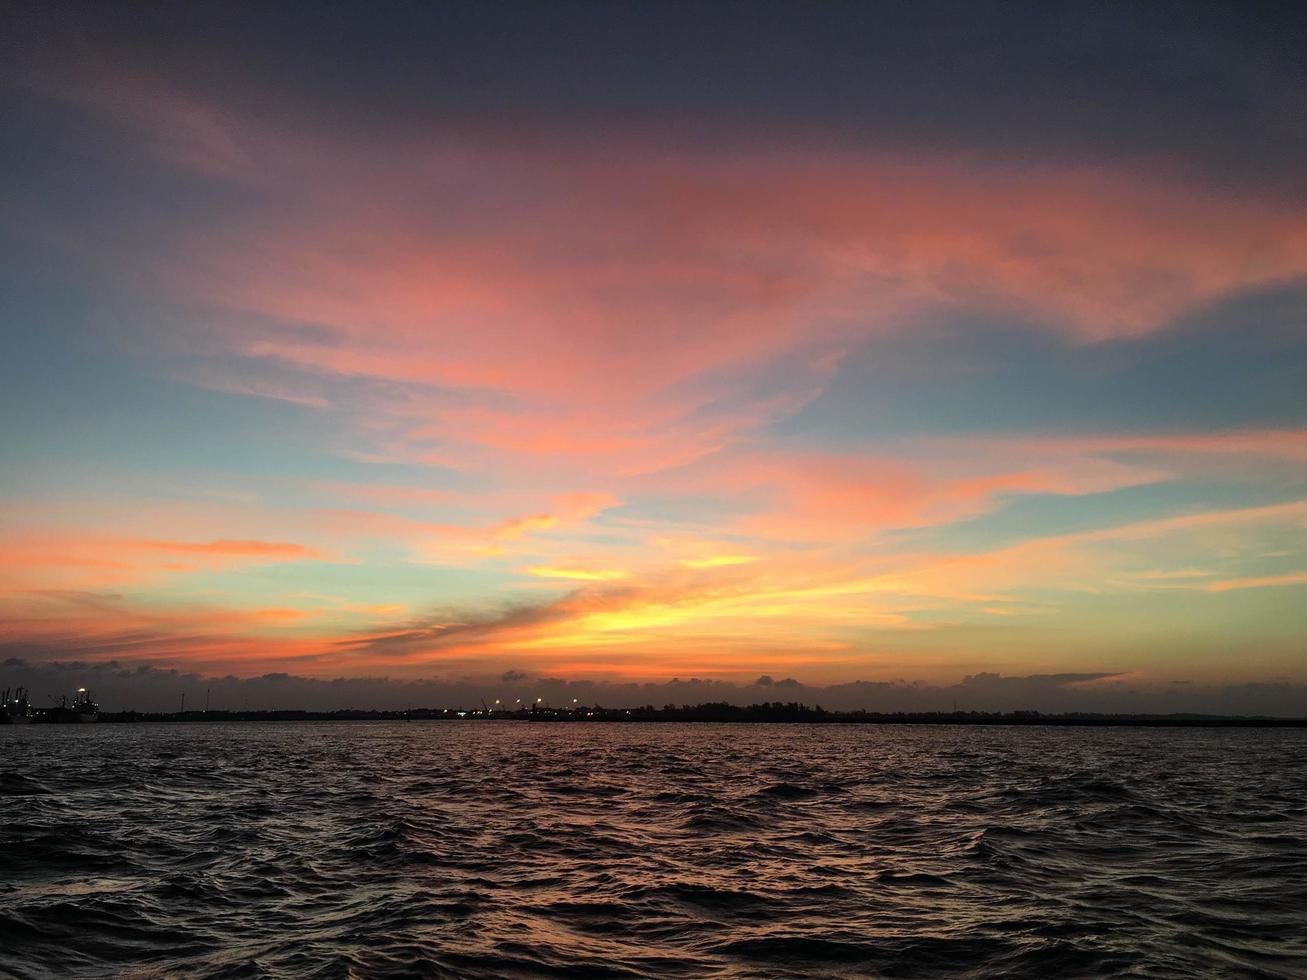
<point x="423" y="635"/>
<point x="1216" y="85"/>
<point x="120" y="686"/>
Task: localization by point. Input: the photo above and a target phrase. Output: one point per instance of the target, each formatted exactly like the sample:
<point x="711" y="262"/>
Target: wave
<point x="377" y="850"/>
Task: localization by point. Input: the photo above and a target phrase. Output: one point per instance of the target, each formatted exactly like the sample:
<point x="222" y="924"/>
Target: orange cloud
<point x="95" y="626"/>
<point x="820" y="612"/>
<point x="276" y="549"/>
<point x="519" y="526"/>
<point x="61" y="557"/>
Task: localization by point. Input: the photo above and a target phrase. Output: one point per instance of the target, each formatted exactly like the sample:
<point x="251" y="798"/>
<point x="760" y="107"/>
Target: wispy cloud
<point x="1258" y="582"/>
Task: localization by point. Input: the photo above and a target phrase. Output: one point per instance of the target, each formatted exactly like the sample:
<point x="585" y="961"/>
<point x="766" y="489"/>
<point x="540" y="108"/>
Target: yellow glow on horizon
<point x="718" y="561"/>
<point x="579" y="574"/>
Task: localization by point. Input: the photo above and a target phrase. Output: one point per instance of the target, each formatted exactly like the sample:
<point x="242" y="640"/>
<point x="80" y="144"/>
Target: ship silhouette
<point x="84" y="708"/>
<point x="16" y="707"/>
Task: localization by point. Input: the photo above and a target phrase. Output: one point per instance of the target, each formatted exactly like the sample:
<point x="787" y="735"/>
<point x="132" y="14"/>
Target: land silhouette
<point x="772" y="712"/>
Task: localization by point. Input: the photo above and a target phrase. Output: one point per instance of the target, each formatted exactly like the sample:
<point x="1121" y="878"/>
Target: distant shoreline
<point x="715" y="714"/>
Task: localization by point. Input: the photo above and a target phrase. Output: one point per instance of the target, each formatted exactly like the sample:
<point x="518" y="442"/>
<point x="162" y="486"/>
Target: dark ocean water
<point x="488" y="849"/>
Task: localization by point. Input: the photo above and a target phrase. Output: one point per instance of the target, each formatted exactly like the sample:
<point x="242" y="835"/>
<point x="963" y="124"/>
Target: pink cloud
<point x="600" y="289"/>
<point x="816" y="497"/>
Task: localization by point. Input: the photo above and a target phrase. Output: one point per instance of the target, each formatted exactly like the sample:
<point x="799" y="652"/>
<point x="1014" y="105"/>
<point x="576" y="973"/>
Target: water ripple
<point x="518" y="850"/>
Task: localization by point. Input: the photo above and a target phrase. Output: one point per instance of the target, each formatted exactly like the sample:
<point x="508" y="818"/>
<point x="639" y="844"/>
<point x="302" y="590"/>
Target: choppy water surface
<point x="512" y="849"/>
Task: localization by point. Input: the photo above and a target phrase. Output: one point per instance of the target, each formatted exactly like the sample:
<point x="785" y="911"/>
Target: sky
<point x="884" y="352"/>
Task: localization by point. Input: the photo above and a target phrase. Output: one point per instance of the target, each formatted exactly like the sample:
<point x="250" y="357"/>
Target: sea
<point x="519" y="849"/>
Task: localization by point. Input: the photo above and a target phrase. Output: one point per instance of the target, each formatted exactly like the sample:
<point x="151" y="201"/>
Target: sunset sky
<point x="604" y="342"/>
